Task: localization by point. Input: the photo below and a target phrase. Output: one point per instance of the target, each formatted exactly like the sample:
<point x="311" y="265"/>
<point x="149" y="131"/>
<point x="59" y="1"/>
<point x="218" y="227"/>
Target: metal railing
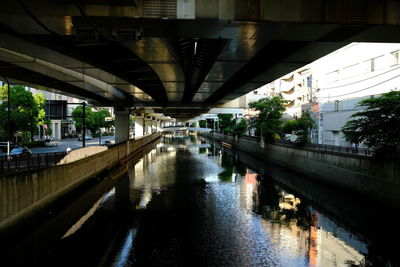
<point x="12" y="164"/>
<point x="316" y="147"/>
<point x="331" y="148"/>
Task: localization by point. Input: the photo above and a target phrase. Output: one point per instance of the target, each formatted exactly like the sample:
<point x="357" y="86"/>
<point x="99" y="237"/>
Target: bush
<point x="31" y="144"/>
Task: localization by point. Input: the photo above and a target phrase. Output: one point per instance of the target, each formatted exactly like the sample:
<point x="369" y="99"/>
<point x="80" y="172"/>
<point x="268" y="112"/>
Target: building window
<point x="368" y="66"/>
<point x="378" y="63"/>
<point x="394" y="58"/>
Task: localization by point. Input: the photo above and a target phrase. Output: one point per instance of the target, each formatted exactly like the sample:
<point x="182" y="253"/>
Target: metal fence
<point x="33" y="161"/>
<point x="330" y="148"/>
<point x="317" y="147"/>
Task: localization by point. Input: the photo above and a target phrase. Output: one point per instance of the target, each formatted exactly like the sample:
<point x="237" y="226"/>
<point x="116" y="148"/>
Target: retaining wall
<point x="362" y="174"/>
<point x="24" y="193"/>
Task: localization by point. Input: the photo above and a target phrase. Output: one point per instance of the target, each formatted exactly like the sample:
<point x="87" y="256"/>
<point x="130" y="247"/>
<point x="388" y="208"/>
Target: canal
<point x="186" y="201"/>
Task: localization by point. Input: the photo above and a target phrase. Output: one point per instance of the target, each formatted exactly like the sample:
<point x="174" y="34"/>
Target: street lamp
<point x="8" y="115"/>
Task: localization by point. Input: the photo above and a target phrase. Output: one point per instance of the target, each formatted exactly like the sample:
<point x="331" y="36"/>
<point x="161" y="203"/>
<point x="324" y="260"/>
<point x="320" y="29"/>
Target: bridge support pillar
<point x="148" y="124"/>
<point x="121" y="124"/>
<point x="158" y="125"/>
<point x="153" y="125"/>
<point x="139" y="125"/>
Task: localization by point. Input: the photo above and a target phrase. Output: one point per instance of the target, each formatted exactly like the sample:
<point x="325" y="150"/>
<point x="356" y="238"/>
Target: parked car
<point x="50" y="142"/>
<point x="20" y="152"/>
<point x="88" y="137"/>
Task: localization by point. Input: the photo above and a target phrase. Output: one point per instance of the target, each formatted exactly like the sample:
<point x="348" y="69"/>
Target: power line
<point x="362" y="89"/>
<point x="366" y="79"/>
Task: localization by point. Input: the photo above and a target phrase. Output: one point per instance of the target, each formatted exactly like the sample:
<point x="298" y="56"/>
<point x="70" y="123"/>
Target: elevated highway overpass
<point x="174" y="57"/>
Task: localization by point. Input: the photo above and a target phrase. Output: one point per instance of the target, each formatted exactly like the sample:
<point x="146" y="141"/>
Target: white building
<point x="332" y="86"/>
<point x="349" y="75"/>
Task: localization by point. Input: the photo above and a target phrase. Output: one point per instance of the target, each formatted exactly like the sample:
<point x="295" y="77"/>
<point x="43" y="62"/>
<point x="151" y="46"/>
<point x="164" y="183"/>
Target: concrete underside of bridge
<point x="179" y="58"/>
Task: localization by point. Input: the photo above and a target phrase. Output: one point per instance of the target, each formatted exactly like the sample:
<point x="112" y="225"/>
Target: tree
<point x="90" y="118"/>
<point x="239" y="128"/>
<point x="94" y="119"/>
<point x="304" y="124"/>
<point x="268" y="120"/>
<point x="100" y="121"/>
<point x="377" y="125"/>
<point x="203" y="124"/>
<point x="289" y="126"/>
<point x="27" y="111"/>
<point x="225" y="122"/>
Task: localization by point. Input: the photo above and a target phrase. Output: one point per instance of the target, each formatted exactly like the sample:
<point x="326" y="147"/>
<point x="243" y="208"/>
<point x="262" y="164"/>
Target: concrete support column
<point x="158" y="126"/>
<point x="197" y="124"/>
<point x="139" y="125"/>
<point x="148" y="124"/>
<point x="121" y="124"/>
<point x="153" y="125"/>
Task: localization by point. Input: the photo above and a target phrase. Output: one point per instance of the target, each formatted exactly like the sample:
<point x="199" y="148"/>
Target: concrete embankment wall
<point x="357" y="173"/>
<point x="24" y="193"/>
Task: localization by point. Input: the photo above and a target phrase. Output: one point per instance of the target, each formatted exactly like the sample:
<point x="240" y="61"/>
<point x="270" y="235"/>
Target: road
<point x="73" y="143"/>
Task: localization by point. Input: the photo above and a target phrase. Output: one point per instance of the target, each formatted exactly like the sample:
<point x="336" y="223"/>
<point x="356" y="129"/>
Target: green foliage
<point x="31" y="144"/>
<point x="27" y="111"/>
<point x="203" y="124"/>
<point x="77" y="114"/>
<point x="289" y="126"/>
<point x="300" y="126"/>
<point x="269" y="118"/>
<point x="378" y="125"/>
<point x="94" y="119"/>
<point x="225" y="122"/>
<point x="304" y="124"/>
<point x="228" y="124"/>
<point x="239" y="128"/>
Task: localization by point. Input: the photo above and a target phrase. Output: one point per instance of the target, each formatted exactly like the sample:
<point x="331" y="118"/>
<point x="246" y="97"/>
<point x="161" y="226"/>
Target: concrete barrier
<point x="24" y="193"/>
<point x="81" y="153"/>
<point x="362" y="174"/>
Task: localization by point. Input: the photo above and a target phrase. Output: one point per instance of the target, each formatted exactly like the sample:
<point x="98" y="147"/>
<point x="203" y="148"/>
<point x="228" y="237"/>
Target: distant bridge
<point x="193" y="129"/>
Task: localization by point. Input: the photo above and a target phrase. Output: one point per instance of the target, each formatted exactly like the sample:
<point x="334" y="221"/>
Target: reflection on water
<point x="190" y="203"/>
<point x="236" y="219"/>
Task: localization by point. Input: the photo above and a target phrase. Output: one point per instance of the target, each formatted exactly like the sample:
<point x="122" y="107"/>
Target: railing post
<point x="38" y="159"/>
<point x="47" y="159"/>
<point x="2" y="162"/>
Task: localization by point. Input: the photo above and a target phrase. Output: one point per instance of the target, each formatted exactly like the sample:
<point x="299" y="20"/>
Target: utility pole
<point x="309" y="84"/>
<point x="83" y="124"/>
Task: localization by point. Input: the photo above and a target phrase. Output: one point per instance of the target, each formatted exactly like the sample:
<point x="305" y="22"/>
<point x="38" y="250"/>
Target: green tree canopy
<point x="90" y="119"/>
<point x="203" y="124"/>
<point x="289" y="126"/>
<point x="269" y="118"/>
<point x="239" y="128"/>
<point x="94" y="119"/>
<point x="378" y="125"/>
<point x="27" y="111"/>
<point x="226" y="122"/>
